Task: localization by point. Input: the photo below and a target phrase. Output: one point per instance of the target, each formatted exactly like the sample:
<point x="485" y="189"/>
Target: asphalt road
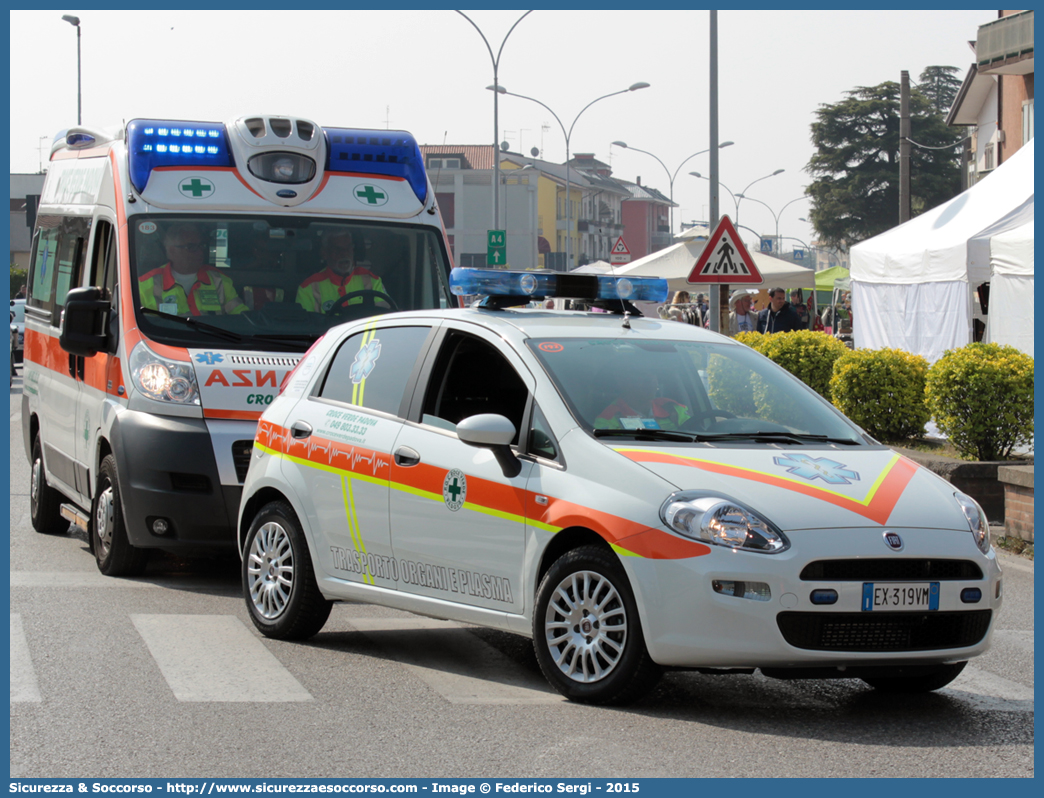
<point x="164" y="676"/>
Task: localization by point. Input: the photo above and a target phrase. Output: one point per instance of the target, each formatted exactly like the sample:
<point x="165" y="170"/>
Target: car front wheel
<point x="587" y="633"/>
<point x="278" y="580"/>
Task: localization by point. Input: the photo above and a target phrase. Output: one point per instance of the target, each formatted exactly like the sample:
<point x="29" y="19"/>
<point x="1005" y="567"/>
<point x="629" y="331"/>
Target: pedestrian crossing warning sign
<point x="724" y="259"/>
<point x="620" y="252"/>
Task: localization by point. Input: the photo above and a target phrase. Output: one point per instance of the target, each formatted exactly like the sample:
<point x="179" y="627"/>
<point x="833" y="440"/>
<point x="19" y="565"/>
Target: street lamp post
<point x="741" y="193"/>
<point x="671" y="177"/>
<point x="496" y="120"/>
<point x="568" y="134"/>
<point x="75" y="22"/>
<point x="775" y="215"/>
<point x="734" y="202"/>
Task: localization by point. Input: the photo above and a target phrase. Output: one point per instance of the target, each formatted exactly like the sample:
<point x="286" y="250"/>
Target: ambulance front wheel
<point x="586" y="630"/>
<point x="278" y="580"/>
<point x="44" y="501"/>
<point x="112" y="550"/>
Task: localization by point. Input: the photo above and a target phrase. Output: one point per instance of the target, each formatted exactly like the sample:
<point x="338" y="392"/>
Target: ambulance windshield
<point x="263" y="282"/>
<point x="688" y="391"/>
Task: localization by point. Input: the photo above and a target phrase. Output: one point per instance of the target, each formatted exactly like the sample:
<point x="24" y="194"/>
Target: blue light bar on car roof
<point x="152" y="143"/>
<point x="377" y="152"/>
<point x="540" y="285"/>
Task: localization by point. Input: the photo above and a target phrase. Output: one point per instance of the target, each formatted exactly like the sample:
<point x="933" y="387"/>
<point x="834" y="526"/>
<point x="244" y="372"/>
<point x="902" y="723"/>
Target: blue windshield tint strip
<point x="377" y="152"/>
<point x="152" y="143"/>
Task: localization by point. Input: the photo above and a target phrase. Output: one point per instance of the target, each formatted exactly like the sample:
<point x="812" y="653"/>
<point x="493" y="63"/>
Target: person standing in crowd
<point x="800" y="307"/>
<point x="779" y="316"/>
<point x="679" y="307"/>
<point x="741" y="316"/>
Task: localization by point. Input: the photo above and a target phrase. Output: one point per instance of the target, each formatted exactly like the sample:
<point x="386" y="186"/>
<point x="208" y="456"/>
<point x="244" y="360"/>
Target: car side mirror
<point x="84" y="314"/>
<point x="493" y="432"/>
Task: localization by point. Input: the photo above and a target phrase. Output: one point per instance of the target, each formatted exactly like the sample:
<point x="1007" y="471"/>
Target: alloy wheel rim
<point x="585" y="627"/>
<point x="270" y="570"/>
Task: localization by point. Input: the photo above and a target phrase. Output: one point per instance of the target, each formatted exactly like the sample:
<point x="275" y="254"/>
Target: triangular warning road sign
<point x="620" y="248"/>
<point x="724" y="259"/>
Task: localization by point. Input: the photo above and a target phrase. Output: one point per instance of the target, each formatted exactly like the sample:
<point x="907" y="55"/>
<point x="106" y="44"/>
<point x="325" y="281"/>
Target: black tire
<point x="593" y="654"/>
<point x="44" y="501"/>
<point x="112" y="550"/>
<point x="279" y="583"/>
<point x="922" y="683"/>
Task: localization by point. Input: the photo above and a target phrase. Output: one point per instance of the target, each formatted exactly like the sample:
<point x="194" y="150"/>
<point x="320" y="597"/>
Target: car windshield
<point x="679" y="390"/>
<point x="261" y="282"/>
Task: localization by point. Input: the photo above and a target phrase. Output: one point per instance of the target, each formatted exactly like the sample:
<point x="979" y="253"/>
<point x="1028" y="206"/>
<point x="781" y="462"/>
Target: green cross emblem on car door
<point x="454" y="489"/>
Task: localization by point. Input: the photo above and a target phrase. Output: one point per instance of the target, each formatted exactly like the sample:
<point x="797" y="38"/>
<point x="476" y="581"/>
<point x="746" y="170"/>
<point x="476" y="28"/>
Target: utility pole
<point x="904" y="147"/>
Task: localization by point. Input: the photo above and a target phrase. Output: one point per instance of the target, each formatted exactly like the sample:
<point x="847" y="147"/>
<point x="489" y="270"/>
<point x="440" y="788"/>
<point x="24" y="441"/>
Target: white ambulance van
<point x="179" y="272"/>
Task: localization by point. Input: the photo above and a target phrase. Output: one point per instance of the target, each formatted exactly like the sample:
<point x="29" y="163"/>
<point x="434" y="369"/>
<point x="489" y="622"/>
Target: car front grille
<point x="890" y="568"/>
<point x="241" y="457"/>
<point x="885" y="631"/>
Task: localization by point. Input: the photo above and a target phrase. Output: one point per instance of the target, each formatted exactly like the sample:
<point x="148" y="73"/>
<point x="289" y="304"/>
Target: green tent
<point x="825" y="283"/>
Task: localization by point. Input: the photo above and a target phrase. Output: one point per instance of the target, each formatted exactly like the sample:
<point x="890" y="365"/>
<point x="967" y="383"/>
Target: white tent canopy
<point x="912" y="286"/>
<point x="1010" y="320"/>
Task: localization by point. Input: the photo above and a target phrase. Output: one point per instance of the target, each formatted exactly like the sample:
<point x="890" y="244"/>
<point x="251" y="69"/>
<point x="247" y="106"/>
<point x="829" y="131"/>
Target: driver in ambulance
<point x="341" y="276"/>
<point x="185" y="285"/>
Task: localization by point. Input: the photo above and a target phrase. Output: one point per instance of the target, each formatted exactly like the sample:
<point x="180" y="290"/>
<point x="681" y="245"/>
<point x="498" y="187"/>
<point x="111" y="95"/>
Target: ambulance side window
<point x="103" y="273"/>
<point x="58" y="261"/>
<point x="372" y="368"/>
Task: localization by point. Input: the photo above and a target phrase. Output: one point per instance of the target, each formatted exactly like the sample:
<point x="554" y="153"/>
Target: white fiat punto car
<point x="634" y="494"/>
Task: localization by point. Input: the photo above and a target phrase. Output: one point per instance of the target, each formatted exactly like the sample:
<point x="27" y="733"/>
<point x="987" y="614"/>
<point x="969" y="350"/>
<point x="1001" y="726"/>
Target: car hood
<point x="811" y="487"/>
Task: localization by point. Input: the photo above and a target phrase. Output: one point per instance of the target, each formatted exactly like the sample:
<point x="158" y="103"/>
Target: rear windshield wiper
<point x="775" y="436"/>
<point x="188" y="321"/>
<point x="648" y="434"/>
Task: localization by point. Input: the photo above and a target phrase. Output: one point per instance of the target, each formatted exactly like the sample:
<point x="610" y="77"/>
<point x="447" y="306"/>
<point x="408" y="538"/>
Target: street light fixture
<point x="671" y="177"/>
<point x="775" y="216"/>
<point x="75" y="22"/>
<point x="741" y="193"/>
<point x="568" y="134"/>
<point x="496" y="121"/>
<point x="704" y="177"/>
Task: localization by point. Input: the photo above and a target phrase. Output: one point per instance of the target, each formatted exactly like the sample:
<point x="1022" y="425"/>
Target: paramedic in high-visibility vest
<point x="341" y="276"/>
<point x="185" y="285"/>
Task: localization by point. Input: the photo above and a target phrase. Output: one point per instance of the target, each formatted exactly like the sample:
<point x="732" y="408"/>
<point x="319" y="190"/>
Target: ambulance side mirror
<point x="494" y="432"/>
<point x="84" y="314"/>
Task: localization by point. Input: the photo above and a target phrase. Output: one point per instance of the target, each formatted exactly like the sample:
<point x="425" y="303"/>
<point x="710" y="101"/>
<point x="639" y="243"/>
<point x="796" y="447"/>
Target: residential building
<point x="25" y="192"/>
<point x="600" y="222"/>
<point x="646" y="219"/>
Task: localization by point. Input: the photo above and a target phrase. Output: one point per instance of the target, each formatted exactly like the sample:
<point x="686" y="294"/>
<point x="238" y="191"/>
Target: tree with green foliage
<point x="855" y="190"/>
<point x="939" y="85"/>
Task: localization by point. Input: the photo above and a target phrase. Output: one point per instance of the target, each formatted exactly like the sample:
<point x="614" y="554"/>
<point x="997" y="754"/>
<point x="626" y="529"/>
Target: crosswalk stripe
<point x="455" y="663"/>
<point x="23" y="678"/>
<point x="216" y="658"/>
<point x="72" y="579"/>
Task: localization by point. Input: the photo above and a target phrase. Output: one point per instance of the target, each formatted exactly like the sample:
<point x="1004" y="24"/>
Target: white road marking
<point x="216" y="658"/>
<point x="23" y="677"/>
<point x="71" y="579"/>
<point x="460" y="667"/>
<point x="988" y="691"/>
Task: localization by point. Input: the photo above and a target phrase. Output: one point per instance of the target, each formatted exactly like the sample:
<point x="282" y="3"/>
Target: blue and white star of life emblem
<point x="210" y="358"/>
<point x="365" y="360"/>
<point x="810" y="468"/>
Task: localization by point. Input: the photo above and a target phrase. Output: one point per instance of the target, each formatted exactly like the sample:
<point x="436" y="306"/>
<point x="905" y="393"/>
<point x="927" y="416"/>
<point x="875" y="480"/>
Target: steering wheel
<point x="369" y="297"/>
<point x="698" y="421"/>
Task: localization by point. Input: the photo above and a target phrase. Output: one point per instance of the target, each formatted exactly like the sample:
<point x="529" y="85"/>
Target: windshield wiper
<point x="775" y="436"/>
<point x="188" y="321"/>
<point x="287" y="341"/>
<point x="649" y="434"/>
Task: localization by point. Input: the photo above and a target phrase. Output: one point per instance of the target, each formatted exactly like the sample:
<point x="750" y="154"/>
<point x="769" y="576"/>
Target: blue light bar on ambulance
<point x="152" y="143"/>
<point x="540" y="285"/>
<point x="377" y="152"/>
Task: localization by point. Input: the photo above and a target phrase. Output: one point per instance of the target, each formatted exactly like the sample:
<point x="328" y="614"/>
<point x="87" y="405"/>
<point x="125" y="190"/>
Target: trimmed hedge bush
<point x="882" y="390"/>
<point x="807" y="355"/>
<point x="981" y="397"/>
<point x="754" y="340"/>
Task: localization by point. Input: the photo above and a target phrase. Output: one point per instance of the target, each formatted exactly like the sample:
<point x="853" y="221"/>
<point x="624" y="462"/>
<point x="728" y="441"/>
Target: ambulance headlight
<point x="161" y="379"/>
<point x="722" y="522"/>
<point x="282" y="167"/>
<point x="980" y="527"/>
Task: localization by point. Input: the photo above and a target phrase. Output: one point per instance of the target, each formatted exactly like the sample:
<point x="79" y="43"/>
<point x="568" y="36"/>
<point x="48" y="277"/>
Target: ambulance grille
<point x="890" y="568"/>
<point x="263" y="360"/>
<point x="241" y="458"/>
<point x="885" y="631"/>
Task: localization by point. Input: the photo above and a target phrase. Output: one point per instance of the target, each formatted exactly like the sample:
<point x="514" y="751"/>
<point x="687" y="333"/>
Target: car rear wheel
<point x="922" y="683"/>
<point x="112" y="550"/>
<point x="44" y="501"/>
<point x="279" y="583"/>
<point x="586" y="630"/>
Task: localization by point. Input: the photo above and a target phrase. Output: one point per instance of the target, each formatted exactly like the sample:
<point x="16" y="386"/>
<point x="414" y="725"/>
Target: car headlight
<point x="721" y="521"/>
<point x="980" y="527"/>
<point x="161" y="379"/>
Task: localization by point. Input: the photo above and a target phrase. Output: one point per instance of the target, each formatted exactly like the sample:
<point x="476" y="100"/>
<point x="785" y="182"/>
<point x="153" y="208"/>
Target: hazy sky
<point x="426" y="71"/>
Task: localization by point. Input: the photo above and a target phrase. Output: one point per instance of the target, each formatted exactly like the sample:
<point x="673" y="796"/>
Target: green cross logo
<point x="370" y="195"/>
<point x="196" y="187"/>
<point x="454" y="489"/>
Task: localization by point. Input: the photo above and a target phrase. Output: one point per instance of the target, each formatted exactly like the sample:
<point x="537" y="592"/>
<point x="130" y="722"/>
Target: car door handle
<point x="406" y="457"/>
<point x="299" y="430"/>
